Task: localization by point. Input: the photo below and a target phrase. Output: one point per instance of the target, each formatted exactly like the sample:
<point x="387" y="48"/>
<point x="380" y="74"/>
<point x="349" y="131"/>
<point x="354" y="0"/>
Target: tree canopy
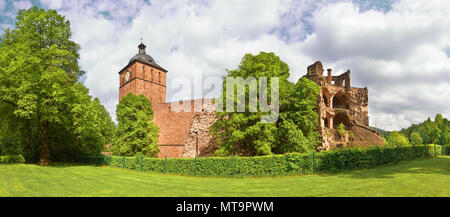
<point x="397" y="139"/>
<point x="43" y="101"/>
<point x="136" y="133"/>
<point x="415" y="138"/>
<point x="436" y="131"/>
<point x="243" y="133"/>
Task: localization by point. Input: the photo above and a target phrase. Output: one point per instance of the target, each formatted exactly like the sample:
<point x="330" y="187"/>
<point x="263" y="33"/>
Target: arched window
<point x="340" y="101"/>
<point x="341" y="118"/>
<point x="159" y="77"/>
<point x="325" y="100"/>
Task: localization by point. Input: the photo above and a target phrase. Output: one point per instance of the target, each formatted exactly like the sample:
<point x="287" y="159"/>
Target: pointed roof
<point x="141" y="56"/>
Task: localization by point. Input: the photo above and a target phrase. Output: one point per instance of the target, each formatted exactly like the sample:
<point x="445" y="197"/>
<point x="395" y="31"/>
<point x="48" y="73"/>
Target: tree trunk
<point x="45" y="155"/>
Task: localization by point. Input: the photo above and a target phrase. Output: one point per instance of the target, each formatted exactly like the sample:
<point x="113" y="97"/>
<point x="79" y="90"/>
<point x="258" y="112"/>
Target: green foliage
<point x="292" y="163"/>
<point x="47" y="108"/>
<point x="418" y="178"/>
<point x="341" y="130"/>
<point x="436" y="131"/>
<point x="242" y="133"/>
<point x="397" y="139"/>
<point x="12" y="159"/>
<point x="415" y="138"/>
<point x="136" y="133"/>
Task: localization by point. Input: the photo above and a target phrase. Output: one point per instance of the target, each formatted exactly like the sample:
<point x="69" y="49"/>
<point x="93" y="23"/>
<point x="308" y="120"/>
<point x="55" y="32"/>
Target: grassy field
<point x="424" y="177"/>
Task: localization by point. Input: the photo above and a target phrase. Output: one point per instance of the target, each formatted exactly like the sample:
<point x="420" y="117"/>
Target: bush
<point x="293" y="163"/>
<point x="12" y="159"/>
<point x="341" y="130"/>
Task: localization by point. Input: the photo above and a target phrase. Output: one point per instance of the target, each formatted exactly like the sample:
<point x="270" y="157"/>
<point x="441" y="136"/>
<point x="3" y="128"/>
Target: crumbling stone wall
<point x="338" y="103"/>
<point x="199" y="142"/>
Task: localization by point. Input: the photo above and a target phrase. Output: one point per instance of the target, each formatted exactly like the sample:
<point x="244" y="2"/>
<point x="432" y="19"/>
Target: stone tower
<point x="143" y="76"/>
<point x="339" y="102"/>
<point x="181" y="134"/>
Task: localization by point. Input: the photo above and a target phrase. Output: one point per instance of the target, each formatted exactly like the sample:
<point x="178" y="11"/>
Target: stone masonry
<point x="339" y="102"/>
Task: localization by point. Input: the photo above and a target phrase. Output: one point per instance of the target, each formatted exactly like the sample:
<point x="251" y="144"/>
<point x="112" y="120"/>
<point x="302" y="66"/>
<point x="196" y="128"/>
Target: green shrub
<point x="270" y="165"/>
<point x="12" y="159"/>
<point x="341" y="130"/>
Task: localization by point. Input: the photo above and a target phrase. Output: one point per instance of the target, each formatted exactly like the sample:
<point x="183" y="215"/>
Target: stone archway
<point x="340" y="100"/>
<point x="343" y="118"/>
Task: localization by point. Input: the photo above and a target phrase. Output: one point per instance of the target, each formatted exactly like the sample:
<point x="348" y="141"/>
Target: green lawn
<point x="424" y="177"/>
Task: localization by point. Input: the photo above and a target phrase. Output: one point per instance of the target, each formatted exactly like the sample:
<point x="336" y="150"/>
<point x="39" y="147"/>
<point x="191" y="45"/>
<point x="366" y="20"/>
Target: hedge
<point x="327" y="161"/>
<point x="12" y="159"/>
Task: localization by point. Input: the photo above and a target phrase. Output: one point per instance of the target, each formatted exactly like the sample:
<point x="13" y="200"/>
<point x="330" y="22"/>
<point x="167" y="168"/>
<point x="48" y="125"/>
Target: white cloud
<point x="399" y="55"/>
<point x="24" y="4"/>
<point x="2" y="5"/>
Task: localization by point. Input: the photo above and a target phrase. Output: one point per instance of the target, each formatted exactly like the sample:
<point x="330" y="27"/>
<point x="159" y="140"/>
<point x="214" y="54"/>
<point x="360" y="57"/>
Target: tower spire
<point x="141" y="47"/>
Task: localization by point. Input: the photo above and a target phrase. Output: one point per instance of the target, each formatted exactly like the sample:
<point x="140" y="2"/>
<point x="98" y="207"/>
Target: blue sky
<point x="399" y="49"/>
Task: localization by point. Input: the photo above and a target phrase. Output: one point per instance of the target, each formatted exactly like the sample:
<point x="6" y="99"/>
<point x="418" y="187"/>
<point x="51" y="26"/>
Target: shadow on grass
<point x="439" y="165"/>
<point x="71" y="164"/>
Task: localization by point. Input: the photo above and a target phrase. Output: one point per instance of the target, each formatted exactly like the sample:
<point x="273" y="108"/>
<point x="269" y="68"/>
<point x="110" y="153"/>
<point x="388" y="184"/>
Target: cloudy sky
<point x="399" y="49"/>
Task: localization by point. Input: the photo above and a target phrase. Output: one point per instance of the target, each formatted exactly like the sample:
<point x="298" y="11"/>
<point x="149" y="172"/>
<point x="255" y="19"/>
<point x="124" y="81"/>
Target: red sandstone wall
<point x="175" y="127"/>
<point x="171" y="151"/>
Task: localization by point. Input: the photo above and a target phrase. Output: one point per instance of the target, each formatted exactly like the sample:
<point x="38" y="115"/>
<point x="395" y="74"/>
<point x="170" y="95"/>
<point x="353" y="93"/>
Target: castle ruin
<point x="338" y="103"/>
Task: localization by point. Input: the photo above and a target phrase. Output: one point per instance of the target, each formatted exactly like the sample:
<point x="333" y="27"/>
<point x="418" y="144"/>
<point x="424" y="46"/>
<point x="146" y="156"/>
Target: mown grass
<point x="422" y="177"/>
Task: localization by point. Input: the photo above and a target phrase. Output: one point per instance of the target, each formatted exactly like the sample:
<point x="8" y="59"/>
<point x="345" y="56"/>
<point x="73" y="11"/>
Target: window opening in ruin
<point x="325" y="100"/>
<point x="341" y="118"/>
<point x="339" y="101"/>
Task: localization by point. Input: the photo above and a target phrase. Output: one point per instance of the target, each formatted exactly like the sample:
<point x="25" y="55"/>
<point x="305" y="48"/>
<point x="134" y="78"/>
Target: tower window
<point x="143" y="72"/>
<point x="159" y="77"/>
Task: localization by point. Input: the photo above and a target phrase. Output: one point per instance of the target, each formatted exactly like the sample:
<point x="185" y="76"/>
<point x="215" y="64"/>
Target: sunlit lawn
<point x="423" y="177"/>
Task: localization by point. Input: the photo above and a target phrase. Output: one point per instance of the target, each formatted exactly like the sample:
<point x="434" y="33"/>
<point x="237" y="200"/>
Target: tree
<point x="107" y="127"/>
<point x="397" y="139"/>
<point x="415" y="138"/>
<point x="431" y="131"/>
<point x="299" y="113"/>
<point x="243" y="133"/>
<point x="427" y="130"/>
<point x="136" y="133"/>
<point x="39" y="82"/>
<point x="435" y="133"/>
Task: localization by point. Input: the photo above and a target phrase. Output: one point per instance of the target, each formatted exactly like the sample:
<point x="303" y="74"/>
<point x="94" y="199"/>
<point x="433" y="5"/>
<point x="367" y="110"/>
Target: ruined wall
<point x="199" y="142"/>
<point x="178" y="129"/>
<point x="359" y="106"/>
<point x="338" y="103"/>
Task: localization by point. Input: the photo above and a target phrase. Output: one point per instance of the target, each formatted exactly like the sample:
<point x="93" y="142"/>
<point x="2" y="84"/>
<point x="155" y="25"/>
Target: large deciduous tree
<point x="243" y="133"/>
<point x="136" y="133"/>
<point x="39" y="86"/>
